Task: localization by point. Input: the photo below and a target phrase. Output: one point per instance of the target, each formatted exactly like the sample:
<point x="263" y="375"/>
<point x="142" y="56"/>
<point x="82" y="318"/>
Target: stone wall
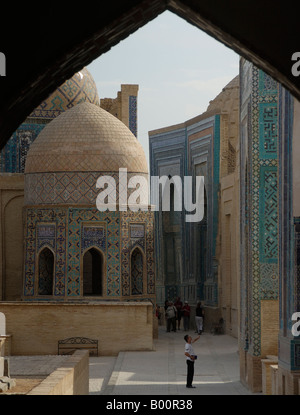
<point x="36" y="327"/>
<point x="228" y="253"/>
<point x="11" y="236"/>
<point x="72" y="378"/>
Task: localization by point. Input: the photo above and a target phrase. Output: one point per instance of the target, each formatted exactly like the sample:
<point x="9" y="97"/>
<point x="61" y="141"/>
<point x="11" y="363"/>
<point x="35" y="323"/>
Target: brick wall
<point x="36" y="327"/>
<point x="72" y="378"/>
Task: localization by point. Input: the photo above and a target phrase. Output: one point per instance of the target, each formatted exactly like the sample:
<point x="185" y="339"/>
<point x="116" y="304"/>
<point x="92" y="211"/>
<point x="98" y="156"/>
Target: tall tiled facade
<point x="259" y="199"/>
<point x="185" y="264"/>
<point x="188" y="254"/>
<point x="269" y="219"/>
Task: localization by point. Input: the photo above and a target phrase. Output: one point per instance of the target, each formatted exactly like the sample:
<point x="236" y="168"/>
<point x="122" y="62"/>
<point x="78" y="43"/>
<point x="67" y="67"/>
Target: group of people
<point x="176" y="311"/>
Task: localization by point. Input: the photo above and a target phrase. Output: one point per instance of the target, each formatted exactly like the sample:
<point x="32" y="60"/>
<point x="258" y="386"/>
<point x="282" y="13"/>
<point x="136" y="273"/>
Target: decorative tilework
<point x="297" y="264"/>
<point x="133" y="114"/>
<point x="189" y="268"/>
<point x="127" y="220"/>
<point x="68" y="187"/>
<point x="260" y="212"/>
<point x="80" y="88"/>
<point x="268" y="218"/>
<point x="268" y="130"/>
<point x="76" y="219"/>
<point x="92" y="235"/>
<point x="46" y="235"/>
<point x="269" y="281"/>
<point x="36" y="219"/>
<point x="13" y="155"/>
<point x="267" y="85"/>
<point x="137" y="235"/>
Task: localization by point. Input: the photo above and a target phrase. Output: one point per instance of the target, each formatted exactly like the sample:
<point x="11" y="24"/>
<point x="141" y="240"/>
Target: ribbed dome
<point x="86" y="138"/>
<point x="80" y="88"/>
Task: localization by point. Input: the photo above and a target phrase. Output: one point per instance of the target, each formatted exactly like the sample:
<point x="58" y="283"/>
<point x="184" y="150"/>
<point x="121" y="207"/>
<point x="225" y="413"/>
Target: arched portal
<point x="92" y="272"/>
<point x="46" y="268"/>
<point x="137" y="273"/>
<point x="65" y="56"/>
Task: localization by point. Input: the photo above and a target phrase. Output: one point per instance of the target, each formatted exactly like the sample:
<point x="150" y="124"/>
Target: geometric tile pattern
<point x="68" y="187"/>
<point x="70" y="231"/>
<point x="268" y="281"/>
<point x="13" y="155"/>
<point x="46" y="235"/>
<point x="268" y="248"/>
<point x="80" y="88"/>
<point x="93" y="235"/>
<point x="83" y="139"/>
<point x="260" y="275"/>
<point x="268" y="130"/>
<point x="34" y="239"/>
<point x="133" y="114"/>
<point x="131" y="238"/>
<point x="78" y="220"/>
<point x="297" y="265"/>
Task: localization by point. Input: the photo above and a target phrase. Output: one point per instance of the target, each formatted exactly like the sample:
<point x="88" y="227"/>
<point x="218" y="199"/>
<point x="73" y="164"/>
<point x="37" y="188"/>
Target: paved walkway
<point x="163" y="371"/>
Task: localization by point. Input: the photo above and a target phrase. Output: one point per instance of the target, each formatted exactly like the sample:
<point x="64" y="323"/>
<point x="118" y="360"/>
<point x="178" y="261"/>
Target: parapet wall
<point x="36" y="327"/>
<point x="72" y="378"/>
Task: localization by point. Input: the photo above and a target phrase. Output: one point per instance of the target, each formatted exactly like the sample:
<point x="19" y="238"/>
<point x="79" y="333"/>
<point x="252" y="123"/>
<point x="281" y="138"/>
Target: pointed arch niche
<point x="92" y="272"/>
<point x="45" y="272"/>
<point x="137" y="272"/>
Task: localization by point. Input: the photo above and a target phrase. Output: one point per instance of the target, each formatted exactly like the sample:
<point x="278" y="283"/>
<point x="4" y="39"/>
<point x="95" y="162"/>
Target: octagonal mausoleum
<point x="73" y="250"/>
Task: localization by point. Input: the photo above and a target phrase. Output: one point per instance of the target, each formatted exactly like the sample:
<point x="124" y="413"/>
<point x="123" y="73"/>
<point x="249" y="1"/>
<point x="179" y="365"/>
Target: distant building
<point x="190" y="256"/>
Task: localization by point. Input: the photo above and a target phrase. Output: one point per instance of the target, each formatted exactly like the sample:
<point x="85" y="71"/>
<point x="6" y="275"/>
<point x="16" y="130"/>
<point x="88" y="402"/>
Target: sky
<point x="178" y="68"/>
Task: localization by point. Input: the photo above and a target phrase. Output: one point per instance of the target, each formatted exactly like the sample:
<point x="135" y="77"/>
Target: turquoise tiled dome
<point x="80" y="88"/>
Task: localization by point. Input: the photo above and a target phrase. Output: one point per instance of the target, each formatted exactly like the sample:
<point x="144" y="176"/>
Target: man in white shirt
<point x="190" y="359"/>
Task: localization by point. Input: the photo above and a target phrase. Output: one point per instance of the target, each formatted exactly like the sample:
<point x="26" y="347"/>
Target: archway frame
<point x="236" y="24"/>
<point x="103" y="276"/>
<point x="14" y="195"/>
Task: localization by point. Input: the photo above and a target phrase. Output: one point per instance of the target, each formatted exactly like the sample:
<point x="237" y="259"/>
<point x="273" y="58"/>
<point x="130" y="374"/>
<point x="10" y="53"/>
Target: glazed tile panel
<point x="259" y="203"/>
<point x="70" y="231"/>
<point x="70" y="187"/>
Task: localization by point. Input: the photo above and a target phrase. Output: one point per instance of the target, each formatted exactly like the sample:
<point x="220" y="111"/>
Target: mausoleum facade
<point x="72" y="249"/>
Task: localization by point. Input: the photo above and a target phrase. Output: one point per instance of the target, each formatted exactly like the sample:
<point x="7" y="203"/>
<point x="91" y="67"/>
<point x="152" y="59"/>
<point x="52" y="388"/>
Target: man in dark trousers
<point x="190" y="359"/>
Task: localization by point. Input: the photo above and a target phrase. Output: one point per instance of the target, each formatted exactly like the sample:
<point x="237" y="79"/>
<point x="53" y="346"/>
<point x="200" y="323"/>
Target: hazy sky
<point x="178" y="68"/>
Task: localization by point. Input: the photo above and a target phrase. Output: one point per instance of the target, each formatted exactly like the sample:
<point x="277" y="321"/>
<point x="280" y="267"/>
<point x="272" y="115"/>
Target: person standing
<point x="171" y="317"/>
<point x="165" y="314"/>
<point x="178" y="305"/>
<point x="186" y="309"/>
<point x="190" y="359"/>
<point x="199" y="318"/>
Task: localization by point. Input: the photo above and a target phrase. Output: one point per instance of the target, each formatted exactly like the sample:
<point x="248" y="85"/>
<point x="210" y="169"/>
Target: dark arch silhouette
<point x="137" y="272"/>
<point x="46" y="272"/>
<point x="267" y="38"/>
<point x="92" y="272"/>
